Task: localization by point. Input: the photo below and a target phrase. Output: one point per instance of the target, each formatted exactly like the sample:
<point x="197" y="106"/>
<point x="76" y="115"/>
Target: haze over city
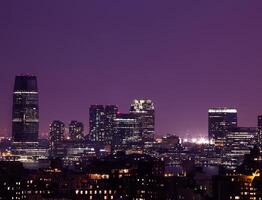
<point x="186" y="56"/>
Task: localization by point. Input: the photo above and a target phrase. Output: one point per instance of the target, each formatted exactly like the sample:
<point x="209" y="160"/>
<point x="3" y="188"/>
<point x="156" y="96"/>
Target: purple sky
<point x="186" y="56"/>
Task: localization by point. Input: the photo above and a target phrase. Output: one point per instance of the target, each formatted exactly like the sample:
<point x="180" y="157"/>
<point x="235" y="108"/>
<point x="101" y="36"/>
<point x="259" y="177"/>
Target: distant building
<point x="220" y="121"/>
<point x="126" y="131"/>
<point x="144" y="111"/>
<point x="259" y="126"/>
<point x="25" y="118"/>
<point x="76" y="130"/>
<point x="243" y="183"/>
<point x="170" y="141"/>
<point x="110" y="114"/>
<point x="96" y="123"/>
<point x="239" y="142"/>
<point x="101" y="123"/>
<point x="56" y="139"/>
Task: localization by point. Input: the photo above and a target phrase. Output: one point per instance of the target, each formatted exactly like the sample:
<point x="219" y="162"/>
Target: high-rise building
<point x="259" y="134"/>
<point x="126" y="131"/>
<point x="76" y="130"/>
<point x="110" y="114"/>
<point x="56" y="139"/>
<point x="144" y="111"/>
<point x="25" y="116"/>
<point x="101" y="119"/>
<point x="96" y="123"/>
<point x="220" y="121"/>
<point x="239" y="141"/>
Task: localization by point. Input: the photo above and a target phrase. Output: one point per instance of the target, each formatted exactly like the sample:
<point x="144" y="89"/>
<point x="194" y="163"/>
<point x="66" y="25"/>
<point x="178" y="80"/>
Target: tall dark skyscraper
<point x="220" y="121"/>
<point x="101" y="119"/>
<point x="144" y="111"/>
<point x="25" y="116"/>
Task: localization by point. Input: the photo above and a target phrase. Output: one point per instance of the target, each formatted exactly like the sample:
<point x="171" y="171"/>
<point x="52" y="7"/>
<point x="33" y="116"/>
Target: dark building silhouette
<point x="259" y="126"/>
<point x="16" y="182"/>
<point x="76" y="130"/>
<point x="56" y="139"/>
<point x="220" y="121"/>
<point x="243" y="183"/>
<point x="123" y="177"/>
<point x="126" y="131"/>
<point x="25" y="117"/>
<point x="144" y="111"/>
<point x="101" y="120"/>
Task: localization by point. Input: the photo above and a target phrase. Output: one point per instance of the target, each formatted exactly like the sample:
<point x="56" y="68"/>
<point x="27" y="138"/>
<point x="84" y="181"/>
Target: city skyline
<point x="87" y="125"/>
<point x="186" y="57"/>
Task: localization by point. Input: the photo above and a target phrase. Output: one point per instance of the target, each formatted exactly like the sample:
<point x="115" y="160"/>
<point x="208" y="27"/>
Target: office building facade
<point x="220" y="121"/>
<point x="239" y="141"/>
<point x="101" y="123"/>
<point x="126" y="131"/>
<point x="144" y="111"/>
<point x="25" y="114"/>
<point x="56" y="139"/>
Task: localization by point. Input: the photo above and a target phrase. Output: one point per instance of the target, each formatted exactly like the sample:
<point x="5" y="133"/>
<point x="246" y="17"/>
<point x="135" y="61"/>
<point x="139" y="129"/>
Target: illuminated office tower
<point x="239" y="141"/>
<point x="126" y="131"/>
<point x="259" y="127"/>
<point x="96" y="123"/>
<point x="76" y="130"/>
<point x="56" y="139"/>
<point x="220" y="121"/>
<point x="110" y="115"/>
<point x="25" y="115"/>
<point x="101" y="122"/>
<point x="144" y="111"/>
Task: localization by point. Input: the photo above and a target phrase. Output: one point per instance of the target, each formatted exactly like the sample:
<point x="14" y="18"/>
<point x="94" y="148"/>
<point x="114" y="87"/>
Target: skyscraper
<point x="220" y="121"/>
<point x="126" y="131"/>
<point x="259" y="127"/>
<point x="110" y="114"/>
<point x="101" y="123"/>
<point x="25" y="115"/>
<point x="144" y="111"/>
<point x="56" y="139"/>
<point x="239" y="141"/>
<point x="76" y="130"/>
<point x="96" y="123"/>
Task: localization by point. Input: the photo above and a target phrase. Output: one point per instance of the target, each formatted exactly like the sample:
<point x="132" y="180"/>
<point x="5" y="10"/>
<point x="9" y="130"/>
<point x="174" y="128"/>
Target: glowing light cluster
<point x="222" y="110"/>
<point x="200" y="140"/>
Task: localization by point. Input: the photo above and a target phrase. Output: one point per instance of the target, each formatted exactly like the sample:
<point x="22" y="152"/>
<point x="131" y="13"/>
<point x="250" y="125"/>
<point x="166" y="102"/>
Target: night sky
<point x="185" y="55"/>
